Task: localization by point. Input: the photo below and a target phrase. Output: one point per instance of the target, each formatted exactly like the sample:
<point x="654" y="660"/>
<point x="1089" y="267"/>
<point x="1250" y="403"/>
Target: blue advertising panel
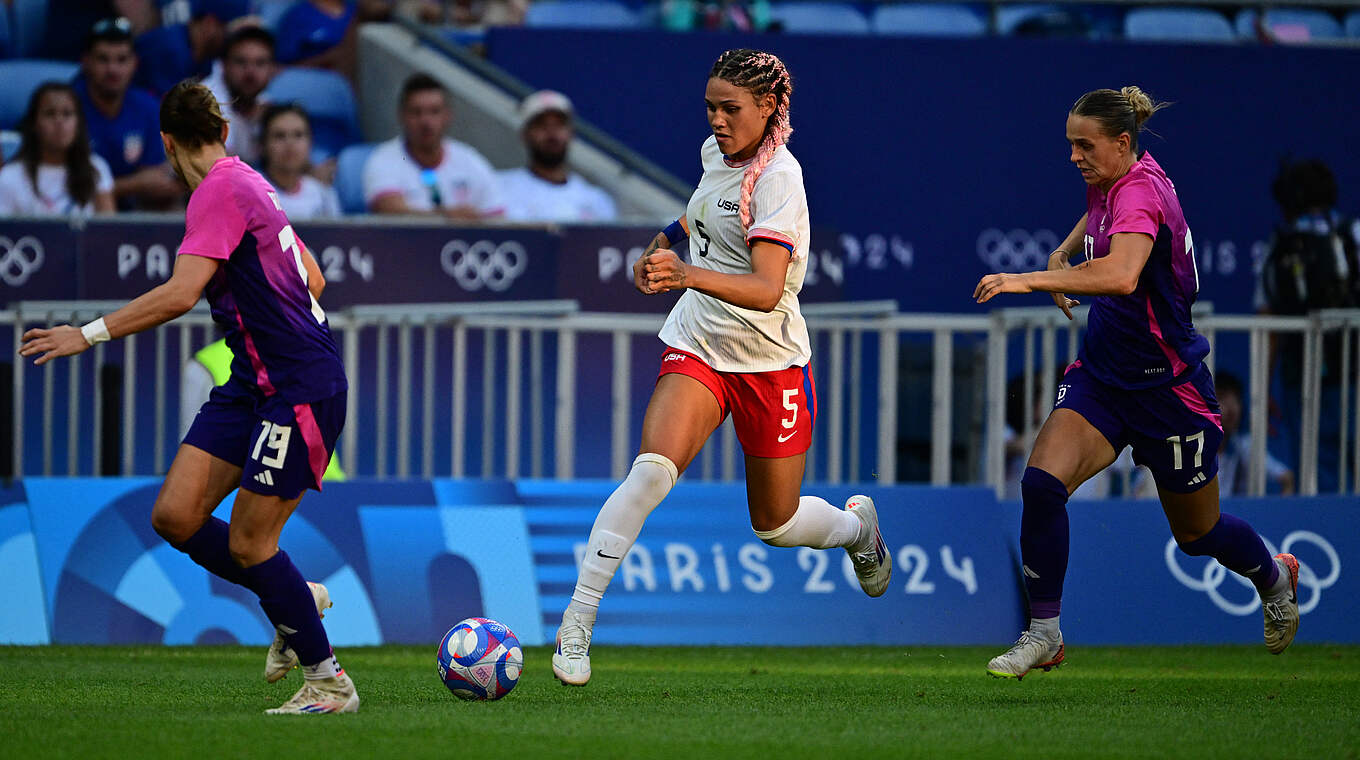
<point x="698" y="575"/>
<point x="38" y="259"/>
<point x="405" y="560"/>
<point x="1127" y="583"/>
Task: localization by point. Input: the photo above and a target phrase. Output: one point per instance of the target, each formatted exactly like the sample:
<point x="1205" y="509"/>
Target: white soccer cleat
<point x="1031" y="651"/>
<point x="872" y="562"/>
<point x="281" y="657"/>
<point x="321" y="696"/>
<point x="571" y="661"/>
<point x="1281" y="605"/>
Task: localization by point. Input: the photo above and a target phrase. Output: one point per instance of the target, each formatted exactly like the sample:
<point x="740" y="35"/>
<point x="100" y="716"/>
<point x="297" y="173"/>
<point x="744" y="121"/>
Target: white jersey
<point x="530" y="198"/>
<point x="730" y="338"/>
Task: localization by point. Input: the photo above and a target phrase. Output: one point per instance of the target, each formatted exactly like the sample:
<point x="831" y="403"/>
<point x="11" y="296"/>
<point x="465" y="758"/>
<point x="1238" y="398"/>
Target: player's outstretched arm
<point x="1113" y="275"/>
<point x="760" y="290"/>
<point x="156" y="306"/>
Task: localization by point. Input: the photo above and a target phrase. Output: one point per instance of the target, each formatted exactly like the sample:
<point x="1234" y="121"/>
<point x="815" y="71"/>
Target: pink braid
<point x="762" y="74"/>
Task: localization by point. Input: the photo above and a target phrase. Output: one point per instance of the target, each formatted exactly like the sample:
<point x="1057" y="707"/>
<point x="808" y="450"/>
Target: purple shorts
<point x="281" y="448"/>
<point x="1175" y="430"/>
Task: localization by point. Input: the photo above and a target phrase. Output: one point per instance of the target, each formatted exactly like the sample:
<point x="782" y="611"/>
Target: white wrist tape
<point x="95" y="332"/>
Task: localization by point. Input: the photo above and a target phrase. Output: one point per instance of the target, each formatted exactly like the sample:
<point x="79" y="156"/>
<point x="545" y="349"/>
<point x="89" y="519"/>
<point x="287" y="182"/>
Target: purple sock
<point x="1043" y="541"/>
<point x="287" y="602"/>
<point x="208" y="549"/>
<point x="1236" y="546"/>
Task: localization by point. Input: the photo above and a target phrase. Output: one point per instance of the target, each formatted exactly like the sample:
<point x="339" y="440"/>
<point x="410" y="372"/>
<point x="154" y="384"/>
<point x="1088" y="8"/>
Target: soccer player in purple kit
<point x="1139" y="380"/>
<point x="271" y="428"/>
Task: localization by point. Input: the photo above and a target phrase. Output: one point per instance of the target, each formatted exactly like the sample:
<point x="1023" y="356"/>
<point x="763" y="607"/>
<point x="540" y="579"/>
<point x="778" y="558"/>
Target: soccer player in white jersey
<point x="736" y="344"/>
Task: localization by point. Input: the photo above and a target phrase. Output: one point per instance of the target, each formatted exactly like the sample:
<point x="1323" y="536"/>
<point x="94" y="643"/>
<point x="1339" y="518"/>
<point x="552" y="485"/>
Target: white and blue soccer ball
<point x="480" y="659"/>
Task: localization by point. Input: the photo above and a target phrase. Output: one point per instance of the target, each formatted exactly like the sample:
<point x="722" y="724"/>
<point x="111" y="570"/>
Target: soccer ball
<point x="480" y="659"/>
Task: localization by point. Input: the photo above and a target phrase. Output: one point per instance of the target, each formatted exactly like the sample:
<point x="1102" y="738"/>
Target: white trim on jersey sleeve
<point x="776" y="207"/>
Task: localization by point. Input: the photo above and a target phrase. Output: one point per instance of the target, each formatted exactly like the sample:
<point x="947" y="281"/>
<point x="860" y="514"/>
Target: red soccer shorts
<point x="772" y="412"/>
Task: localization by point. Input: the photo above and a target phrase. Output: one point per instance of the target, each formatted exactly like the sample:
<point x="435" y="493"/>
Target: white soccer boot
<point x="571" y="661"/>
<point x="1031" y="651"/>
<point x="872" y="562"/>
<point x="1281" y="605"/>
<point x="321" y="696"/>
<point x="281" y="657"/>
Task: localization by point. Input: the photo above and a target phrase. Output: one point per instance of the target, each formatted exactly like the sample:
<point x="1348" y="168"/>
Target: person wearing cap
<point x="124" y="122"/>
<point x="423" y="172"/>
<point x="545" y="190"/>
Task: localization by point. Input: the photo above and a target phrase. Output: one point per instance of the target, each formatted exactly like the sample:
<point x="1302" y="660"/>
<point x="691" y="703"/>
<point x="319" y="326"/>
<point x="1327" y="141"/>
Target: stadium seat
<point x="819" y="18"/>
<point x="21" y="78"/>
<point x="29" y="28"/>
<point x="328" y="100"/>
<point x="349" y="177"/>
<point x="1353" y="24"/>
<point x="1291" y="24"/>
<point x="927" y="19"/>
<point x="583" y="14"/>
<point x="9" y="144"/>
<point x="1178" y="25"/>
<point x="270" y="11"/>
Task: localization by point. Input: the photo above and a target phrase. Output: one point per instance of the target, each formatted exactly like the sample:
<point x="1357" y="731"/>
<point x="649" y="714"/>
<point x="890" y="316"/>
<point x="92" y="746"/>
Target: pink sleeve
<point x="213" y="224"/>
<point x="1136" y="208"/>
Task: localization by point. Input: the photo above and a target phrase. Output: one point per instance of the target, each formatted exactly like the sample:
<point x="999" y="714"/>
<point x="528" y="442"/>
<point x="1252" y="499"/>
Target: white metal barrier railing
<point x="417" y="394"/>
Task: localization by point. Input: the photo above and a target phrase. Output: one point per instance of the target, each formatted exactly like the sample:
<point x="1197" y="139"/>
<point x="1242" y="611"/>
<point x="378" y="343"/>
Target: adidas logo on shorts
<point x="265" y="477"/>
<point x="1199" y="478"/>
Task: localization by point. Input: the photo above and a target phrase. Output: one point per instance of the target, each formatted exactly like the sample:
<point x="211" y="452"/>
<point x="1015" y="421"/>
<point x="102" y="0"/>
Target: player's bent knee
<point x="781" y="536"/>
<point x="1191" y="542"/>
<point x="174" y="525"/>
<point x="654" y="473"/>
<point x="248" y="549"/>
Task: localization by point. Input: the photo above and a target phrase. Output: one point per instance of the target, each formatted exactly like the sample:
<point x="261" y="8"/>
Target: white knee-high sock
<point x="617" y="527"/>
<point x="816" y="524"/>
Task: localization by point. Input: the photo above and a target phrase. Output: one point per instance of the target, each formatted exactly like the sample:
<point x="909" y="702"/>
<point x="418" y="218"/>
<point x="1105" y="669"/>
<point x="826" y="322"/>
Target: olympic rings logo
<point x="1017" y="250"/>
<point x="1212" y="577"/>
<point x="20" y="259"/>
<point x="484" y="264"/>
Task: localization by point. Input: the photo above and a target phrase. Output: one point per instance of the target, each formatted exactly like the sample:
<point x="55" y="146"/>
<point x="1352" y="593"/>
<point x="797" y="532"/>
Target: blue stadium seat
<point x="328" y="100"/>
<point x="270" y="11"/>
<point x="1320" y="24"/>
<point x="21" y="78"/>
<point x="9" y="144"/>
<point x="1178" y="25"/>
<point x="928" y="19"/>
<point x="1353" y="24"/>
<point x="349" y="177"/>
<point x="583" y="14"/>
<point x="1009" y="16"/>
<point x="819" y="18"/>
<point x="30" y="26"/>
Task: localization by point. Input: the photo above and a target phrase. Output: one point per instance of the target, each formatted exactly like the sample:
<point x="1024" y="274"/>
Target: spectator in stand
<point x="186" y="51"/>
<point x="238" y="84"/>
<point x="54" y="172"/>
<point x="286" y="149"/>
<point x="319" y="34"/>
<point x="124" y="123"/>
<point x="1313" y="263"/>
<point x="423" y="172"/>
<point x="546" y="190"/>
<point x="466" y="13"/>
<point x="1235" y="454"/>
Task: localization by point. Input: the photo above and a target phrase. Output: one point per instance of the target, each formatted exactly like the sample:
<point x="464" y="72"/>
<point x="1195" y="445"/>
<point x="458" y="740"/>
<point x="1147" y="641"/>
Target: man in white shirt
<point x="424" y="172"/>
<point x="545" y="190"/>
<point x="246" y="68"/>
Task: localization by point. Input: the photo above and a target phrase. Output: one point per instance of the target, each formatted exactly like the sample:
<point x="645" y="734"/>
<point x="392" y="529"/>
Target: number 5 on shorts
<point x="789" y="395"/>
<point x="275" y="438"/>
<point x="1176" y="440"/>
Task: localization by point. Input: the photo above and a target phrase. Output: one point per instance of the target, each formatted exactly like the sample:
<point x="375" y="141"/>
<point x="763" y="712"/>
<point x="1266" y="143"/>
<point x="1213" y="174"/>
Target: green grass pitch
<point x="696" y="703"/>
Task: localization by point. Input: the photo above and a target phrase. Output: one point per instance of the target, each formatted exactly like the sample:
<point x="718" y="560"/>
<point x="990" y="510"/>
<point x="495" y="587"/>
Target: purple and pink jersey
<point x="1146" y="338"/>
<point x="278" y="334"/>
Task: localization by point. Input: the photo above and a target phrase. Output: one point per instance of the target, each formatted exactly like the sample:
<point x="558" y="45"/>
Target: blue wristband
<point x="675" y="233"/>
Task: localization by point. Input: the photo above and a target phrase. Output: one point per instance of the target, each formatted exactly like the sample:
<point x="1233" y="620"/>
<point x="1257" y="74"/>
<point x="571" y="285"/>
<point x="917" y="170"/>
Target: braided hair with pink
<point x="761" y="74"/>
